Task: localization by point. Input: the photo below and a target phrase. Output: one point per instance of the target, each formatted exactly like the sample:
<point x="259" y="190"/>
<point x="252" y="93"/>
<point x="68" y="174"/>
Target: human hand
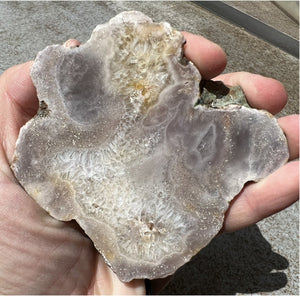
<point x="43" y="255"/>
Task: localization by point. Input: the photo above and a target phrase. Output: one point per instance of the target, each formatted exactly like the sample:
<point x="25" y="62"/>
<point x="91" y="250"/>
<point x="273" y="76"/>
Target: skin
<point x="40" y="255"/>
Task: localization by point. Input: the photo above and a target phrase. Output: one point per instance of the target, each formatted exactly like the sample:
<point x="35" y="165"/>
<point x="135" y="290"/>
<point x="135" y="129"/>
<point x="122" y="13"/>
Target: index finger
<point x="207" y="56"/>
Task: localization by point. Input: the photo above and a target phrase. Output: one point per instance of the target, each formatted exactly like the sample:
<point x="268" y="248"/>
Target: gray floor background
<point x="262" y="259"/>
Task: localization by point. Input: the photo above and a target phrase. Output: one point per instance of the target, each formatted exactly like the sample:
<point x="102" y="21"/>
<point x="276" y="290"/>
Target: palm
<point x="53" y="255"/>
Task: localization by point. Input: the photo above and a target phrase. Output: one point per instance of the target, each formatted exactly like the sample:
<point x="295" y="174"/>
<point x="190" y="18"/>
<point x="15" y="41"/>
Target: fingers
<point x="257" y="200"/>
<point x="268" y="94"/>
<point x="207" y="56"/>
<point x="261" y="92"/>
<point x="290" y="126"/>
<point x="260" y="200"/>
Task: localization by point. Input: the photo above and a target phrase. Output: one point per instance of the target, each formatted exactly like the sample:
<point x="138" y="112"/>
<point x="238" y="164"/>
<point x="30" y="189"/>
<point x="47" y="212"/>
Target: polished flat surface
<point x="262" y="259"/>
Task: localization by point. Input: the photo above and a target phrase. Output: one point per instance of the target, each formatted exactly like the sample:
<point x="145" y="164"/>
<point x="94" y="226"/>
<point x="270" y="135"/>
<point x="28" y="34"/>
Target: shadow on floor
<point x="239" y="262"/>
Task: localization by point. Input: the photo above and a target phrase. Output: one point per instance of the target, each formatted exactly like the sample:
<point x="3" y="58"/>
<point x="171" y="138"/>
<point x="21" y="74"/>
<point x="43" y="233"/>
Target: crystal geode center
<point x="120" y="145"/>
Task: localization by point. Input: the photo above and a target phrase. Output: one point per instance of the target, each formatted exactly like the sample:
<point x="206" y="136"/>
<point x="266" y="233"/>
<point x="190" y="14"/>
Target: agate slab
<point x="121" y="145"/>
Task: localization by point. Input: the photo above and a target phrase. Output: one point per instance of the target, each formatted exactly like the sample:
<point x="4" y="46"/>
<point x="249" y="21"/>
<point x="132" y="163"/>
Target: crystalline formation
<point x="122" y="145"/>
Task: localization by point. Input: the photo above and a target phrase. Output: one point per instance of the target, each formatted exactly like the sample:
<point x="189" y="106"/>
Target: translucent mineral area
<point x="122" y="145"/>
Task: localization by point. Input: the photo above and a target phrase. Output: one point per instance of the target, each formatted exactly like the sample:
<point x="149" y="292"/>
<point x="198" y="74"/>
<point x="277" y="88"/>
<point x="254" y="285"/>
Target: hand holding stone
<point x="18" y="97"/>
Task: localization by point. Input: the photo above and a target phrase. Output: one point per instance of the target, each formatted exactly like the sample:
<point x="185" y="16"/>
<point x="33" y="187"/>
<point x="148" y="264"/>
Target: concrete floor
<point x="262" y="259"/>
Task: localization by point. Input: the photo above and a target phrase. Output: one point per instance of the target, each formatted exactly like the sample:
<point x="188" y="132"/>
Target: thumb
<point x="18" y="89"/>
<point x="18" y="103"/>
<point x="106" y="282"/>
